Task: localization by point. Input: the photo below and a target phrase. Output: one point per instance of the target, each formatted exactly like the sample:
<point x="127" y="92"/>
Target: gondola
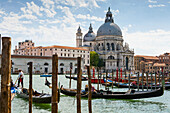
<point x="69" y="76"/>
<point x="130" y="94"/>
<point x="75" y="78"/>
<point x="126" y="85"/>
<point x="36" y="97"/>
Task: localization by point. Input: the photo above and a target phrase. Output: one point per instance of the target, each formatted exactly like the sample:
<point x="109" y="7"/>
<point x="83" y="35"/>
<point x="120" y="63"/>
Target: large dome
<point x="109" y="28"/>
<point x="90" y="36"/>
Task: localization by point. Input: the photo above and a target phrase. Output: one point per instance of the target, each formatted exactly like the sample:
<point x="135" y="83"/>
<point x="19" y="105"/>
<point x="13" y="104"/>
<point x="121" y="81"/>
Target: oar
<point x="16" y="81"/>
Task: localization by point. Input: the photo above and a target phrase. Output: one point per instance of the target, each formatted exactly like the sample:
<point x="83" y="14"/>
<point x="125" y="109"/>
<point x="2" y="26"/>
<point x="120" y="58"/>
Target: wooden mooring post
<point x="112" y="77"/>
<point x="54" y="84"/>
<point x="138" y="81"/>
<point x="70" y="78"/>
<point x="142" y="80"/>
<point x="155" y="80"/>
<point x="79" y="85"/>
<point x="159" y="78"/>
<point x="89" y="89"/>
<point x="30" y="87"/>
<point x="106" y="80"/>
<point x="151" y="81"/>
<point x="98" y="79"/>
<point x="129" y="80"/>
<point x="5" y="101"/>
<point x="147" y="80"/>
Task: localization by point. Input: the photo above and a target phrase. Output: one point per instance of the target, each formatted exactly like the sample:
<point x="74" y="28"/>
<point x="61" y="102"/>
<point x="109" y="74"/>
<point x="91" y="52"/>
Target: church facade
<point x="109" y="44"/>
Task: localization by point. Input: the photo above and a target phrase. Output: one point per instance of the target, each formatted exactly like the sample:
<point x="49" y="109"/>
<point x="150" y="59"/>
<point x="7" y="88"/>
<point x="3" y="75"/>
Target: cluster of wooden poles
<point x="140" y="80"/>
<point x="5" y="98"/>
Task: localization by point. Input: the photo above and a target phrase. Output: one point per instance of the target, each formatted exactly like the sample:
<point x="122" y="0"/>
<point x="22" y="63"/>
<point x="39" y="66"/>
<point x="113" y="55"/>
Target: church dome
<point x="109" y="27"/>
<point x="90" y="36"/>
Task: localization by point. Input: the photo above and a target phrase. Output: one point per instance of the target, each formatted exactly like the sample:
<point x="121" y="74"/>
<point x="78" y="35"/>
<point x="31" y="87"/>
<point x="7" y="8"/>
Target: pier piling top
<point x="79" y="85"/>
<point x="54" y="83"/>
<point x="5" y="75"/>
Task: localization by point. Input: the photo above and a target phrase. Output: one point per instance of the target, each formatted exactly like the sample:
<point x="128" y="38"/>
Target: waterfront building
<point x="42" y="64"/>
<point x="27" y="48"/>
<point x="149" y="64"/>
<point x="165" y="58"/>
<point x="109" y="44"/>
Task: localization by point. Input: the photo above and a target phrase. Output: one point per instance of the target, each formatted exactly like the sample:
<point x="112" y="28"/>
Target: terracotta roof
<point x="56" y="46"/>
<point x="159" y="64"/>
<point x="148" y="57"/>
<point x="148" y="62"/>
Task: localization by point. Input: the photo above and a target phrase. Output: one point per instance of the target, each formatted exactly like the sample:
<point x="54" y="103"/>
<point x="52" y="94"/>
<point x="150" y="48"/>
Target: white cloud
<point x="47" y="3"/>
<point x="31" y="8"/>
<point x="160" y="5"/>
<point x="153" y="42"/>
<point x="2" y="13"/>
<point x="151" y="1"/>
<point x="80" y="3"/>
<point x="88" y="17"/>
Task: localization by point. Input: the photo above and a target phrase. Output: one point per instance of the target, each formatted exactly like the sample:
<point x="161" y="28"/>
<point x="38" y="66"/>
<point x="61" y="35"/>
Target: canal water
<point x="68" y="104"/>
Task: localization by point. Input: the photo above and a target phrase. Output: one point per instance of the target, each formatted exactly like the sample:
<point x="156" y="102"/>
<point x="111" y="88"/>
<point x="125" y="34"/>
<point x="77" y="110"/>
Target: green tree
<point x="95" y="60"/>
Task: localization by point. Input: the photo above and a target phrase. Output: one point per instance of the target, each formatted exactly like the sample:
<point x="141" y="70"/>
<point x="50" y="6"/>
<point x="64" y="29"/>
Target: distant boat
<point x="131" y="94"/>
<point x="45" y="75"/>
<point x="75" y="78"/>
<point x="126" y="85"/>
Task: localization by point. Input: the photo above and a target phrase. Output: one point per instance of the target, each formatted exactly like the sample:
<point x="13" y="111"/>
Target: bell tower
<point x="79" y="37"/>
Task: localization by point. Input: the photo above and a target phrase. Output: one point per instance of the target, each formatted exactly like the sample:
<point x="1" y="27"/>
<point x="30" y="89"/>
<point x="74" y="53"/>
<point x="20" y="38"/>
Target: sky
<point x="145" y="24"/>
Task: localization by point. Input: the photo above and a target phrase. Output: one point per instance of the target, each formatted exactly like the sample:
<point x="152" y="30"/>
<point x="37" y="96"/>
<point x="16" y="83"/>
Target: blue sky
<point x="145" y="23"/>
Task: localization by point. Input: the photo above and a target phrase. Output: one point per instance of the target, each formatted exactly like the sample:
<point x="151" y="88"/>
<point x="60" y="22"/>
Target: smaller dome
<point x="90" y="36"/>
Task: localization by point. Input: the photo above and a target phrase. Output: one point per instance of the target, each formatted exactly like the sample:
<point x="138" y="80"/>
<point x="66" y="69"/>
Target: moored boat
<point x="75" y="78"/>
<point x="131" y="94"/>
<point x="126" y="85"/>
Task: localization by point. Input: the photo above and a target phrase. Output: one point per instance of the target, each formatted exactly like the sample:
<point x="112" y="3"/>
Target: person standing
<point x="20" y="78"/>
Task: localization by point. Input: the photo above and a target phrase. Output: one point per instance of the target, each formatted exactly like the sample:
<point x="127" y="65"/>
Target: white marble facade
<point x="109" y="44"/>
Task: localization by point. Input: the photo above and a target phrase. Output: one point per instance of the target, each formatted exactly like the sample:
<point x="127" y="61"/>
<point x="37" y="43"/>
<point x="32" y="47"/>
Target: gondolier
<point x="20" y="78"/>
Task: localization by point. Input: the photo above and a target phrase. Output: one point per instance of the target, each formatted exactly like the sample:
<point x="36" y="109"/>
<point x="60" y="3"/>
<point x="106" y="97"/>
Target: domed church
<point x="108" y="43"/>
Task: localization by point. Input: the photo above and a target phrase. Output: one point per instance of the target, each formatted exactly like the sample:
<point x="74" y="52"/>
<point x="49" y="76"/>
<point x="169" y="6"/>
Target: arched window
<point x="117" y="47"/>
<point x="108" y="46"/>
<point x="113" y="46"/>
<point x="61" y="64"/>
<point x="46" y="64"/>
<point x="111" y="57"/>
